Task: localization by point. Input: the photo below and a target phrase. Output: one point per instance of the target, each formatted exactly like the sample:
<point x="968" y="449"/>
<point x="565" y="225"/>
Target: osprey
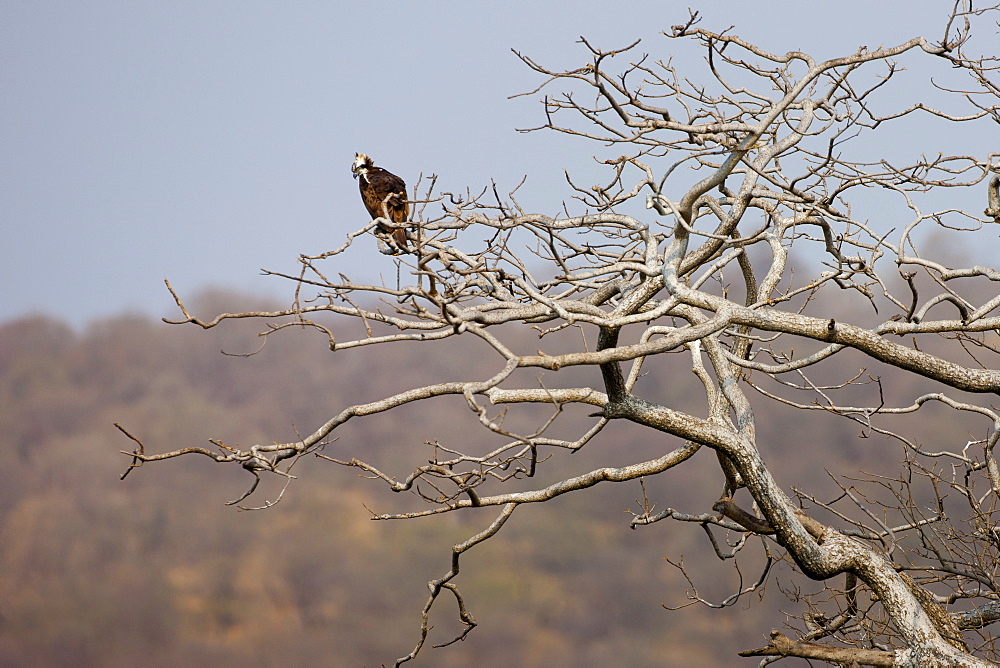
<point x="384" y="195"/>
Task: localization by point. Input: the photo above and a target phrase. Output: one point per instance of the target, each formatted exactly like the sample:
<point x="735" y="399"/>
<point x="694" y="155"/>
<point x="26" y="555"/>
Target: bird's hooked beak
<point x="354" y="171"/>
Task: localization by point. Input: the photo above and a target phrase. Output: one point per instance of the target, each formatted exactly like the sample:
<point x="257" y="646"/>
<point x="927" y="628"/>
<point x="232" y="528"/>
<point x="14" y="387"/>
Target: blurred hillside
<point x="156" y="571"/>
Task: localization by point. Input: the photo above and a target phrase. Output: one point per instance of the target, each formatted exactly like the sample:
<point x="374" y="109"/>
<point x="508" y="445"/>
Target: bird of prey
<point x="384" y="195"/>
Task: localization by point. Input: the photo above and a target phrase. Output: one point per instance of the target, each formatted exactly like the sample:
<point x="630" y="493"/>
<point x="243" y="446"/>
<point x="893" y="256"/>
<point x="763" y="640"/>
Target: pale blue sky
<point x="202" y="141"/>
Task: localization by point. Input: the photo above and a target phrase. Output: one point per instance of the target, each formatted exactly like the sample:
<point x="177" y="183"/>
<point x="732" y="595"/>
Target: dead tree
<point x="746" y="228"/>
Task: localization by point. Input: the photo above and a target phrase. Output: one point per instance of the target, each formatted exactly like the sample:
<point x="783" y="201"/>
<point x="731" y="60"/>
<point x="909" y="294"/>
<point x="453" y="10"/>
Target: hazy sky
<point x="202" y="141"/>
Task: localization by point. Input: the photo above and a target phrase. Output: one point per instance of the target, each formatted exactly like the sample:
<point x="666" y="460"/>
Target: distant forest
<point x="156" y="570"/>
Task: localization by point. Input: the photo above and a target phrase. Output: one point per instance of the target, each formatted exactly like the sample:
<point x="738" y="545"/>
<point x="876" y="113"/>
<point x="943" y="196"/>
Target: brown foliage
<point x="156" y="570"/>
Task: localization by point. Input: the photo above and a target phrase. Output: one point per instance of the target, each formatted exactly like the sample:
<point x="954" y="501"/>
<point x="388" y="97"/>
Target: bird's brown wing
<point x="380" y="186"/>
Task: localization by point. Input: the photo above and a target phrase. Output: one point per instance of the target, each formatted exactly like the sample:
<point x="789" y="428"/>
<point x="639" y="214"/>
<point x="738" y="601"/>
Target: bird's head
<point x="361" y="164"/>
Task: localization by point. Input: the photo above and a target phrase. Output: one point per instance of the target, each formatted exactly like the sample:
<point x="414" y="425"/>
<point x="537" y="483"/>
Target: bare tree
<point x="747" y="229"/>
